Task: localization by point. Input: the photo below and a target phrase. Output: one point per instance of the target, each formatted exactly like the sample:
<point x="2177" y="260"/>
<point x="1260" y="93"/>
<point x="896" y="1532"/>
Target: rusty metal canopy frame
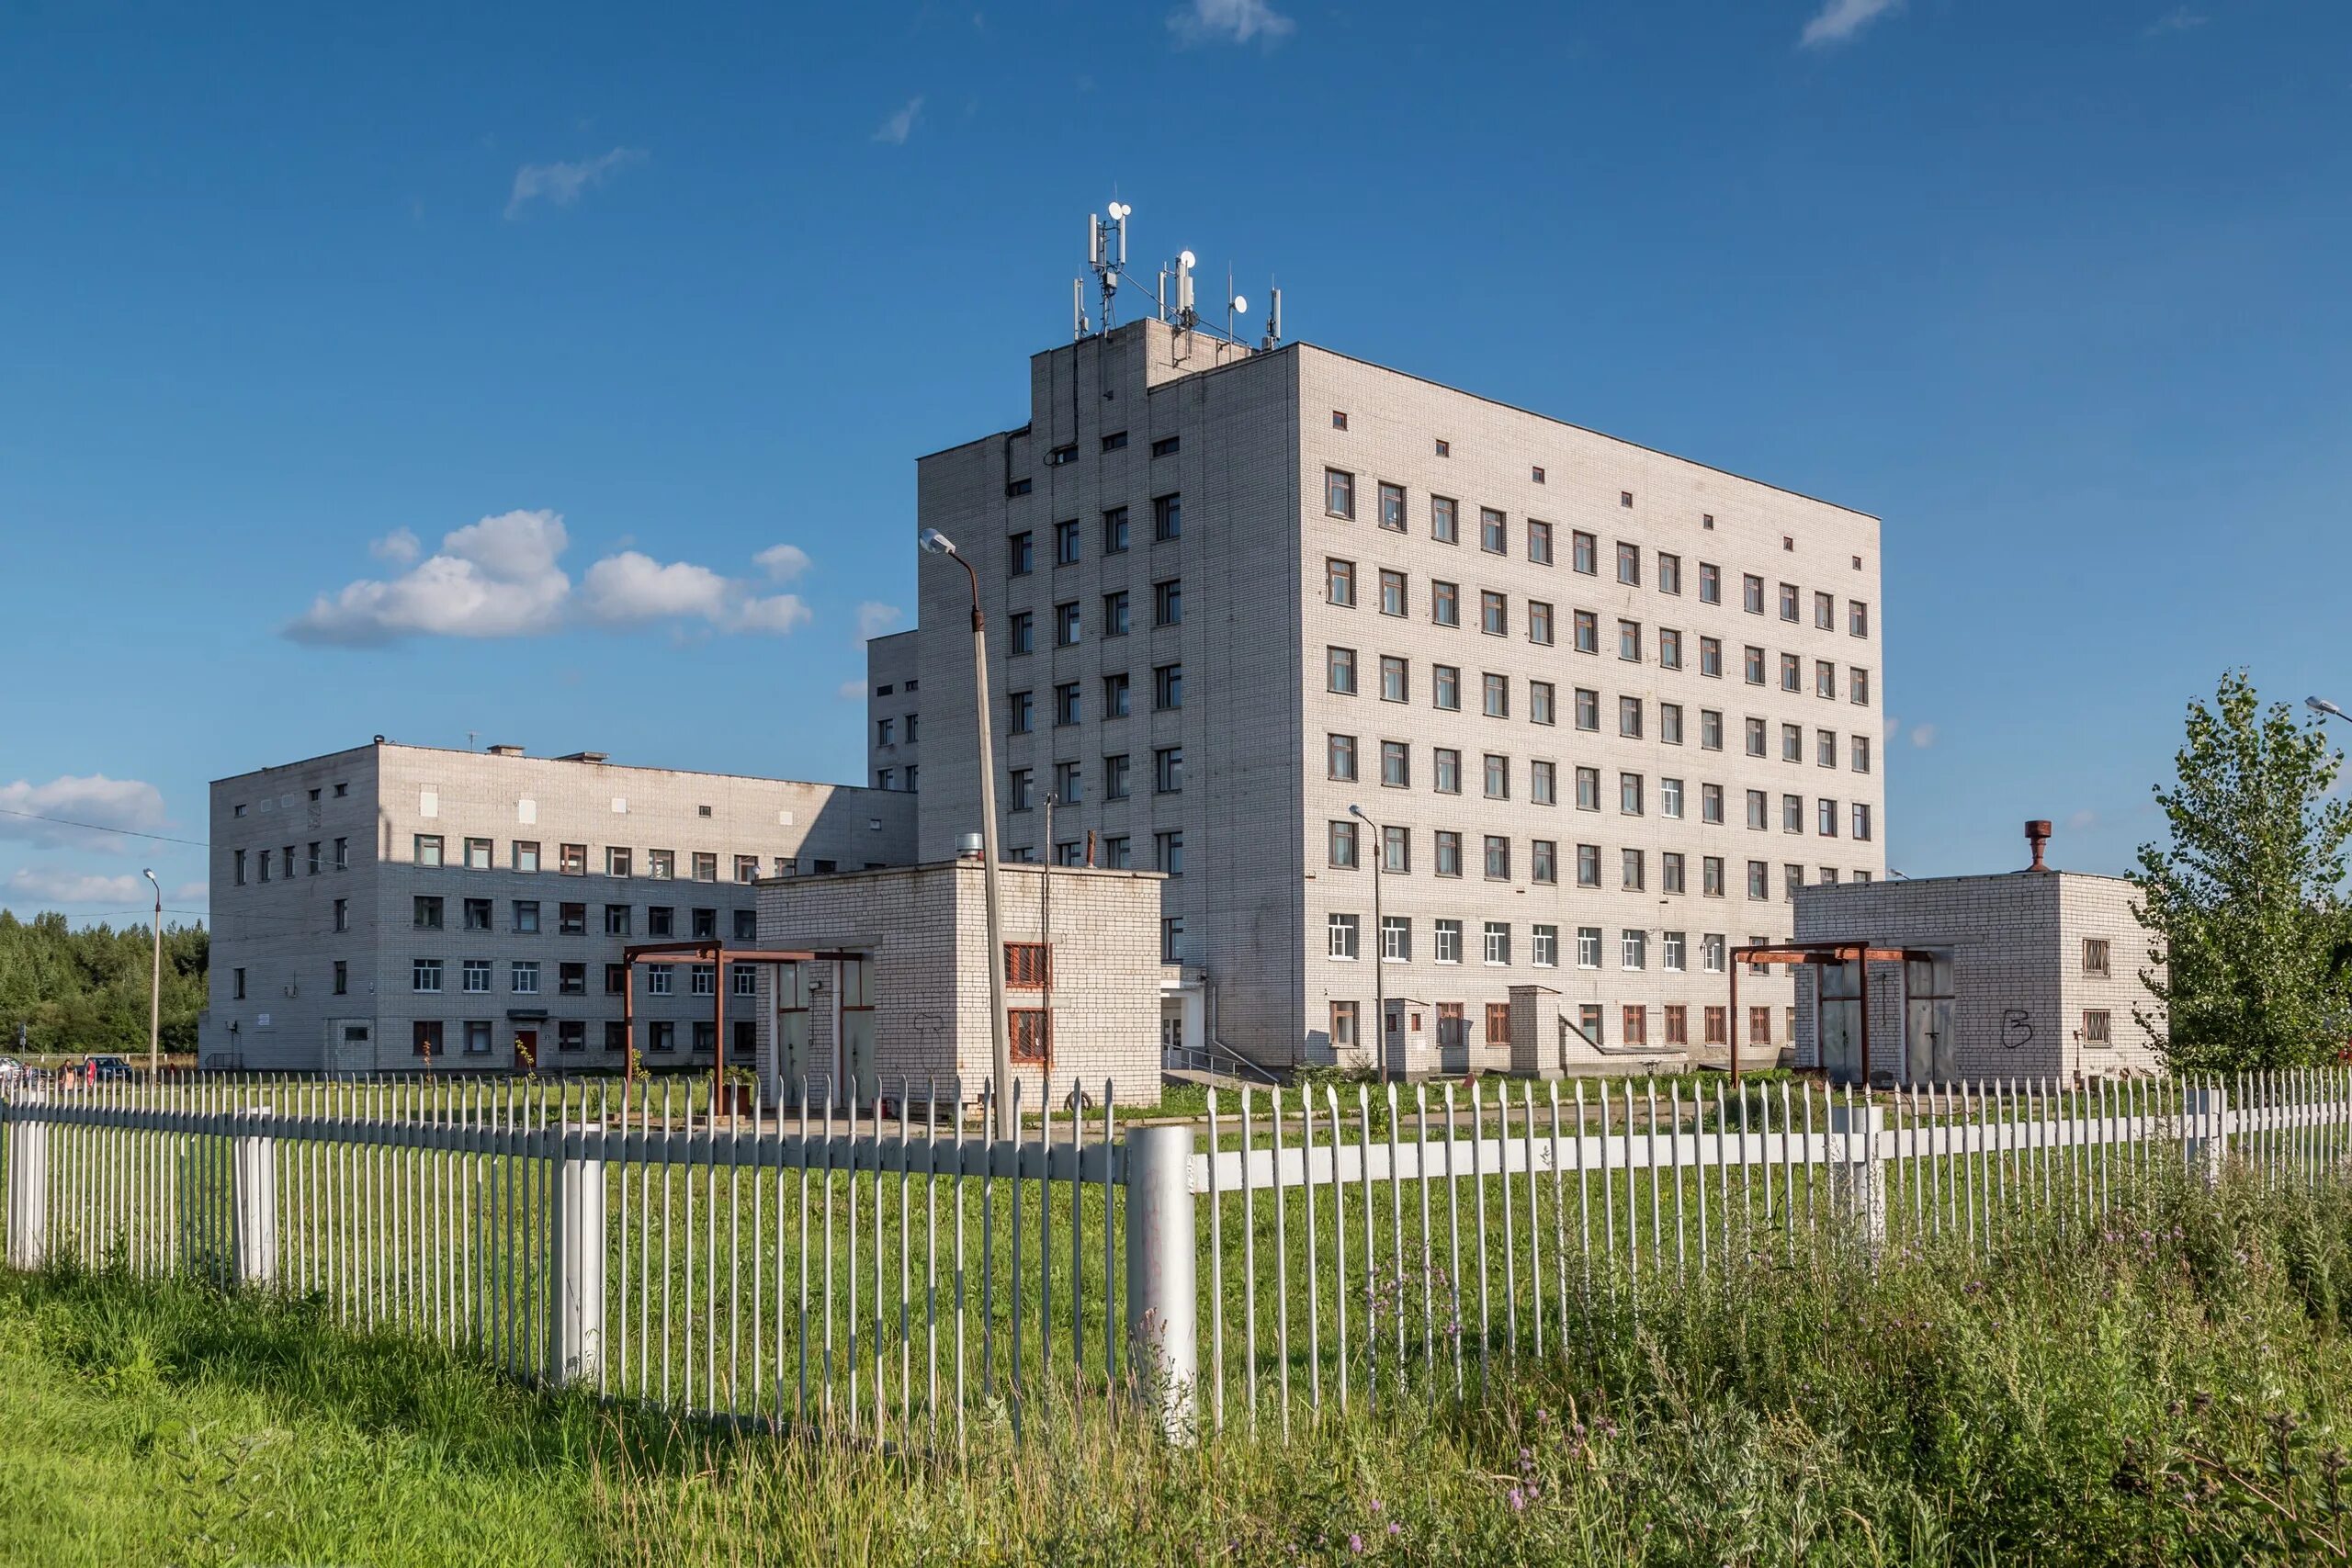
<point x="1820" y="954"/>
<point x="719" y="955"/>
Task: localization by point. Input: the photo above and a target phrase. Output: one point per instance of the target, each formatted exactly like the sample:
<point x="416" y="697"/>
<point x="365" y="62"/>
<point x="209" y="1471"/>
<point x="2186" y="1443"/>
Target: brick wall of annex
<point x="925" y="929"/>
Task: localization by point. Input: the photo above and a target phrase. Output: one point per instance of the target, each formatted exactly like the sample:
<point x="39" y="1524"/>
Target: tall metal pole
<point x="1000" y="1041"/>
<point x="1379" y="946"/>
<point x="1046" y="937"/>
<point x="155" y="987"/>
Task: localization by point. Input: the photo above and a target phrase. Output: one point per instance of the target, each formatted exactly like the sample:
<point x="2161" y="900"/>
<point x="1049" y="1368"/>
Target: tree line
<point x="87" y="989"/>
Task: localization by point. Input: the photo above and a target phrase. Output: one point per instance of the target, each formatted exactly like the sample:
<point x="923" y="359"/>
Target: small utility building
<point x="2030" y="974"/>
<point x="900" y="998"/>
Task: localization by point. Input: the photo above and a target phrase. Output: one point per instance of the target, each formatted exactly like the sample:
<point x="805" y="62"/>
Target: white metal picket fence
<point x="894" y="1276"/>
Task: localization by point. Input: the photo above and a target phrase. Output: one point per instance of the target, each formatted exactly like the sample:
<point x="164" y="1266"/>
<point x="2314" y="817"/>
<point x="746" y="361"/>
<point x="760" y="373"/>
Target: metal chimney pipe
<point x="2036" y="834"/>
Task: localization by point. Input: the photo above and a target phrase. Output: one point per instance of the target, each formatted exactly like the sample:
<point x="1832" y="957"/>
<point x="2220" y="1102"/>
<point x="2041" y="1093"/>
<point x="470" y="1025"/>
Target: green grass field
<point x="2174" y="1388"/>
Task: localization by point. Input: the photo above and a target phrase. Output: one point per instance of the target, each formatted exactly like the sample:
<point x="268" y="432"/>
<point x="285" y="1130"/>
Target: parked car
<point x="109" y="1069"/>
<point x="11" y="1070"/>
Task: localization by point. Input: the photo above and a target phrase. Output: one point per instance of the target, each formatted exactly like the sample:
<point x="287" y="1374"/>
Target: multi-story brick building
<point x="1604" y="708"/>
<point x="395" y="907"/>
<point x="893" y="713"/>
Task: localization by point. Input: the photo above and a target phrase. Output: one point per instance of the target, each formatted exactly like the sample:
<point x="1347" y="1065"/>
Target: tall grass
<point x="2175" y="1387"/>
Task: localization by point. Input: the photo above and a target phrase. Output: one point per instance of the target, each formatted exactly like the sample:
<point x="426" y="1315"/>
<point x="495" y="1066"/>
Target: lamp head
<point x="2321" y="704"/>
<point x="936" y="543"/>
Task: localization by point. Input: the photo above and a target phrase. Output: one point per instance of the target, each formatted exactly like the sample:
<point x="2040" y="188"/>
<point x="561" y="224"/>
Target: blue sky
<point x="291" y="297"/>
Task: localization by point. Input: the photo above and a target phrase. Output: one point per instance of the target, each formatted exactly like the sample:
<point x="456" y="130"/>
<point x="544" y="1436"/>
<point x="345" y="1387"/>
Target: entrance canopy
<point x="1821" y="954"/>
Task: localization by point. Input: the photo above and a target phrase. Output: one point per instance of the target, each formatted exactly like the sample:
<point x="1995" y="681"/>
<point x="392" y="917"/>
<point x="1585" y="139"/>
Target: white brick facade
<point x="1245" y="441"/>
<point x="921" y="934"/>
<point x="332" y="946"/>
<point x="2025" y="1002"/>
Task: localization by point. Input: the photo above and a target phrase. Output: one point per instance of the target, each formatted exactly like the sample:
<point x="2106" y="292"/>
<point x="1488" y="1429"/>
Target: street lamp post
<point x="1379" y="946"/>
<point x="155" y="987"/>
<point x="2321" y="704"/>
<point x="936" y="542"/>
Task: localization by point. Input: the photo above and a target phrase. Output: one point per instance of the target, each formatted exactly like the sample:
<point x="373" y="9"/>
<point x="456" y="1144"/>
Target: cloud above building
<point x="894" y="132"/>
<point x="1839" y="20"/>
<point x="504" y="577"/>
<point x="43" y="885"/>
<point x="1229" y="21"/>
<point x="47" y="813"/>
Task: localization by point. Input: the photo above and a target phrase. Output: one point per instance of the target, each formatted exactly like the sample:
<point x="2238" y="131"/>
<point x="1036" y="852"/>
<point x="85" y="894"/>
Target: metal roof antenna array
<point x="1273" y="317"/>
<point x="1106" y="257"/>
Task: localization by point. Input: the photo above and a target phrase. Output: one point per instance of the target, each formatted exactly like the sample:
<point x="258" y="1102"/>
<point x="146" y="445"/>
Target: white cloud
<point x="38" y="885"/>
<point x="782" y="563"/>
<point x="1923" y="736"/>
<point x="1841" y="20"/>
<point x="559" y="185"/>
<point x="192" y="892"/>
<point x="895" y="130"/>
<point x="399" y="547"/>
<point x="494" y="578"/>
<point x="1229" y="21"/>
<point x="502" y="577"/>
<point x="851" y="691"/>
<point x="96" y="799"/>
<point x="2179" y="19"/>
<point x="633" y="587"/>
<point x="874" y="620"/>
<point x="2081" y="819"/>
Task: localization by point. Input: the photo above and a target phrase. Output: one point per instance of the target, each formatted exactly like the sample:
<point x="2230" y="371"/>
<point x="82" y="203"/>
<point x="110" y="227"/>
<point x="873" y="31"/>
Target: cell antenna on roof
<point x="1106" y="255"/>
<point x="1274" y="317"/>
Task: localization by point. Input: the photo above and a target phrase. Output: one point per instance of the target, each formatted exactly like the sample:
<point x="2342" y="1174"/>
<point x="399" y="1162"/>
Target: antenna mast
<point x="1106" y="256"/>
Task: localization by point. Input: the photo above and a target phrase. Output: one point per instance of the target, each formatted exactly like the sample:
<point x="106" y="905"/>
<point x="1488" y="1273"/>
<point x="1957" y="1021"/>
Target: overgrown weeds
<point x="2169" y="1384"/>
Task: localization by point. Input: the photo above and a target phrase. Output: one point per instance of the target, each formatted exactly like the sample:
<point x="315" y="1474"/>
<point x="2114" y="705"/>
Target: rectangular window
<point x="1789" y="602"/>
<point x="1498" y="777"/>
<point x="1497" y="690"/>
<point x="1114" y="531"/>
<point x="1669" y="573"/>
<point x="1340" y="843"/>
<point x="1711" y="730"/>
<point x="1344" y="1021"/>
<point x="571" y="979"/>
<point x="1445" y="522"/>
<point x="1393" y="685"/>
<point x="1449" y="941"/>
<point x="1669" y="797"/>
<point x="1540" y="699"/>
<point x="343" y="915"/>
<point x="1066" y="543"/>
<point x="571" y="919"/>
<point x="2096" y="1028"/>
<point x="1340" y="581"/>
<point x="1633" y="950"/>
<point x="1858" y="686"/>
<point x="1861" y="821"/>
<point x="1710" y="876"/>
<point x="474" y="975"/>
<point x="1711" y="804"/>
<point x="1018" y="790"/>
<point x="1710" y="657"/>
<point x="1033" y="1033"/>
<point x="1396" y="938"/>
<point x="1678" y="1024"/>
<point x="426" y="914"/>
<point x="1114" y="614"/>
<point x="1494" y="532"/>
<point x="1672" y="949"/>
<point x="1169" y="848"/>
<point x="1028" y="965"/>
<point x="1584" y="553"/>
<point x="1445" y="603"/>
<point x="522" y="977"/>
<point x="1397" y="851"/>
<point x="1629" y="641"/>
<point x="1114" y="696"/>
<point x="1826" y="819"/>
<point x="1066" y="625"/>
<point x="424" y="975"/>
<point x="1629" y="718"/>
<point x="1340" y="933"/>
<point x="1638" y="1025"/>
<point x="1587" y="709"/>
<point x="1792" y="743"/>
<point x="1543" y="862"/>
<point x="1858" y="751"/>
<point x="1539" y="623"/>
<point x="1588" y="866"/>
<point x="1588" y="789"/>
<point x="477" y="914"/>
<point x="1539" y="542"/>
<point x="1166" y="447"/>
<point x="1544" y="946"/>
<point x="1543" y="783"/>
<point x="1751" y="594"/>
<point x="1447" y="765"/>
<point x="343" y="855"/>
<point x="1020" y="556"/>
<point x="1168" y="769"/>
<point x="2094" y="958"/>
<point x="1587" y="626"/>
<point x="1172" y="947"/>
<point x="1711" y="583"/>
<point x="1629" y="564"/>
<point x="1825" y="611"/>
<point x="1069" y="784"/>
<point x="1670" y="723"/>
<point x="1392" y="507"/>
<point x="1825" y="679"/>
<point x="427" y="851"/>
<point x="617" y="862"/>
<point x="1339" y="492"/>
<point x="1392" y="593"/>
<point x="1712" y="952"/>
<point x="1670" y="649"/>
<point x="1496" y="950"/>
<point x="1633" y="870"/>
<point x="1340" y="757"/>
<point x="425" y="1036"/>
<point x="1167" y="687"/>
<point x="1629" y="794"/>
<point x="661" y="865"/>
<point x="1587" y="947"/>
<point x="1020" y="632"/>
<point x="1167" y="514"/>
<point x="1446" y="679"/>
<point x="1449" y="852"/>
<point x="1339" y="671"/>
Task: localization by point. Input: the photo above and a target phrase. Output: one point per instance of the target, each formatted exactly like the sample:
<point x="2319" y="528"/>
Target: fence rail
<point x="893" y="1277"/>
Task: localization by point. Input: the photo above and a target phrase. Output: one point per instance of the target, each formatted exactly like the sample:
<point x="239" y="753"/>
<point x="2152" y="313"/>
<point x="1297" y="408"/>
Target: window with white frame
<point x="1396" y="938"/>
<point x="1670" y="948"/>
<point x="1497" y="942"/>
<point x="1587" y="947"/>
<point x="1448" y="941"/>
<point x="1633" y="950"/>
<point x="1342" y="933"/>
<point x="1544" y="946"/>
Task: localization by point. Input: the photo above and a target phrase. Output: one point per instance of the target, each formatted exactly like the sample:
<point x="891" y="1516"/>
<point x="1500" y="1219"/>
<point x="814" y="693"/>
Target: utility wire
<point x="102" y="828"/>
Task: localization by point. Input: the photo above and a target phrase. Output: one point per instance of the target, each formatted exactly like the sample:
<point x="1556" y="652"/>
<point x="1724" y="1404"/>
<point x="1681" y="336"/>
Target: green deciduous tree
<point x="2246" y="902"/>
<point x="87" y="989"/>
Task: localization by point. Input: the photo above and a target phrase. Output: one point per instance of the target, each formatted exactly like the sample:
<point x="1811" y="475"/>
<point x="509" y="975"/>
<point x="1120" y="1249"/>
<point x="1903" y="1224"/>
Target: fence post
<point x="1162" y="1328"/>
<point x="2207" y="1111"/>
<point x="27" y="1183"/>
<point x="576" y="1326"/>
<point x="1856" y="1176"/>
<point x="253" y="1159"/>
